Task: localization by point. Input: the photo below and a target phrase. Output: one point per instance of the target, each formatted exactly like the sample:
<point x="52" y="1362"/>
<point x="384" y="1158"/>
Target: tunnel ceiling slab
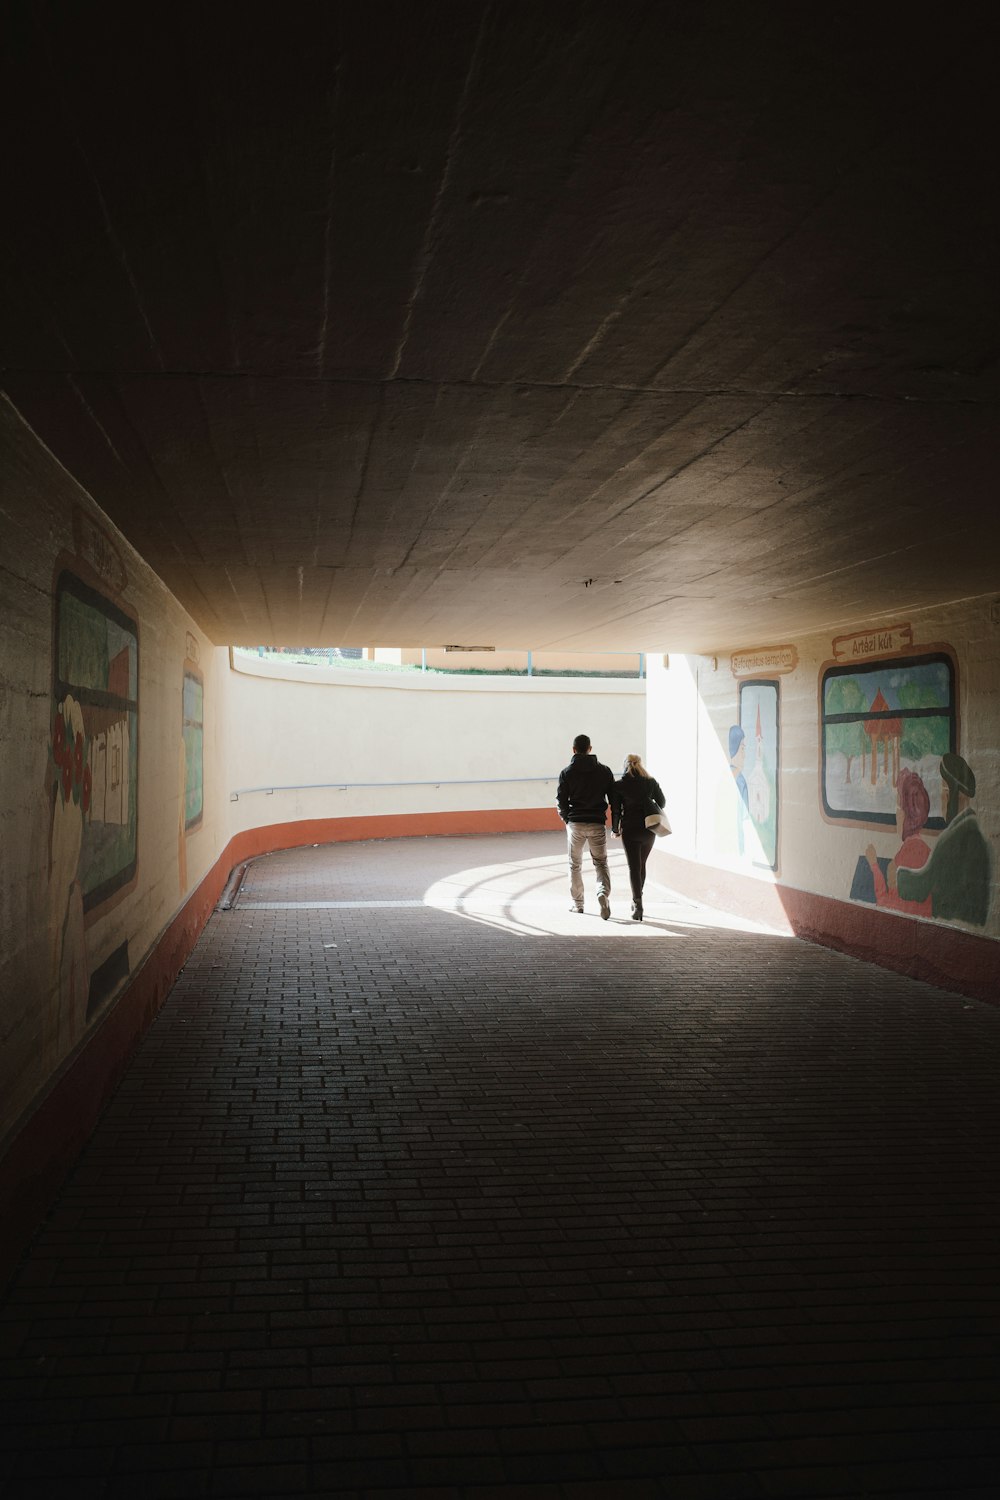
<point x="580" y="325"/>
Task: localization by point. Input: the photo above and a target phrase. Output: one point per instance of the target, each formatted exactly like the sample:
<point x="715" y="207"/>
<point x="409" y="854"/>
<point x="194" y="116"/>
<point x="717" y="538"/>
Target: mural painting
<point x="758" y="715"/>
<point x="92" y="779"/>
<point x="193" y="733"/>
<point x="741" y="801"/>
<point x="191" y="760"/>
<point x="875" y="878"/>
<point x="956" y="879"/>
<point x="746" y="815"/>
<point x="69" y="785"/>
<point x="889" y="757"/>
<point x="877" y="718"/>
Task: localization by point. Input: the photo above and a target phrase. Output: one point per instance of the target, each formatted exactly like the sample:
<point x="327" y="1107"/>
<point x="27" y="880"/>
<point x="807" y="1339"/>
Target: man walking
<point x="586" y="789"/>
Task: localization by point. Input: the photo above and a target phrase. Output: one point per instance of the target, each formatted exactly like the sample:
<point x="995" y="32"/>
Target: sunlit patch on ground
<point x="531" y="897"/>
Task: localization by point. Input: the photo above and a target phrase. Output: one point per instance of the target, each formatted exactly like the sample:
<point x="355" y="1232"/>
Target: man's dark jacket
<point x="585" y="790"/>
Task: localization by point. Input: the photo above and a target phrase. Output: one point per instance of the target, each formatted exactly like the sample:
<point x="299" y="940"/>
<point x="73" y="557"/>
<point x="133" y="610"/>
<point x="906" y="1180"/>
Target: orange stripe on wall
<point x="274" y="836"/>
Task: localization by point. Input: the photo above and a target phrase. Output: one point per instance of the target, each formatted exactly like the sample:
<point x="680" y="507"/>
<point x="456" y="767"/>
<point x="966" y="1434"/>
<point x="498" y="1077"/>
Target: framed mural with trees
<point x="878" y="718"/>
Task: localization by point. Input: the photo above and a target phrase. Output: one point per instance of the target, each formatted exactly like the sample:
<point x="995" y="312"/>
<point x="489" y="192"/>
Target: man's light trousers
<point x="592" y="836"/>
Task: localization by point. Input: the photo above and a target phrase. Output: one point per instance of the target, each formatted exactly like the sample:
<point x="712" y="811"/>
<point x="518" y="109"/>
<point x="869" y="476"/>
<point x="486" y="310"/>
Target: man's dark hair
<point x="581" y="744"/>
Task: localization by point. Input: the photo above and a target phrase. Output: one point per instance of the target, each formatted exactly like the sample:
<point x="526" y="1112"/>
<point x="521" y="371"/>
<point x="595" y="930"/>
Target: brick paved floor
<point x="461" y="1195"/>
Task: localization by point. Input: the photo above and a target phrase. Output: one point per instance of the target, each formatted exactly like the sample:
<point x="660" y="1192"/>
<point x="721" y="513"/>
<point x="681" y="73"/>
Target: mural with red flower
<point x="69" y="755"/>
<point x="92" y="779"/>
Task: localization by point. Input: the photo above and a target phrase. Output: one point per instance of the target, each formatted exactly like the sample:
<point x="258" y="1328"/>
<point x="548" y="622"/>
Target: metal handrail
<point x="343" y="786"/>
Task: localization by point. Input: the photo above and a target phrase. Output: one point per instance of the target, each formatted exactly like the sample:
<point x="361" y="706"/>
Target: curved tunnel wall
<point x="127" y="743"/>
<point x="415" y="746"/>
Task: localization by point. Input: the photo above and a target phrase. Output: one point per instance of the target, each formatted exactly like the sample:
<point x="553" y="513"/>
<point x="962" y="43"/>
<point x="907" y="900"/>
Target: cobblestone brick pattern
<point x="399" y="1201"/>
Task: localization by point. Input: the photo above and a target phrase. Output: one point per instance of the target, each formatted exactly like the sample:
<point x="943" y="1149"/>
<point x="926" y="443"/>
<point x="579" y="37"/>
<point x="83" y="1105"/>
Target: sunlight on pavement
<point x="531" y="898"/>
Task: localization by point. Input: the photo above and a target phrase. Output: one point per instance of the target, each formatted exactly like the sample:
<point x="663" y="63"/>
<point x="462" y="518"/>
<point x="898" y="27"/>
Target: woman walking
<point x="636" y="790"/>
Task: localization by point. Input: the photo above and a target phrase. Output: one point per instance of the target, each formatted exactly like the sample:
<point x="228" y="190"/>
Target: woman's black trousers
<point x="637" y="847"/>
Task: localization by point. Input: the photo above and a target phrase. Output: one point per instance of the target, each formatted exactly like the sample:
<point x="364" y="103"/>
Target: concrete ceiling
<point x="624" y="325"/>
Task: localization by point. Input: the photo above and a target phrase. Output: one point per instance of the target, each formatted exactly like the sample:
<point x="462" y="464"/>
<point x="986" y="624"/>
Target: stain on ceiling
<point x="396" y="324"/>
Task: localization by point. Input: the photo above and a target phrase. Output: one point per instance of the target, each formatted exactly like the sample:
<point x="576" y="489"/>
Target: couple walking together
<point x="586" y="790"/>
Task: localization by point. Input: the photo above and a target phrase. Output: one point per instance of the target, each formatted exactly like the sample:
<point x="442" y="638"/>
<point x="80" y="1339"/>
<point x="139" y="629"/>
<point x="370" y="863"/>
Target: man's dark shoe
<point x="605" y="906"/>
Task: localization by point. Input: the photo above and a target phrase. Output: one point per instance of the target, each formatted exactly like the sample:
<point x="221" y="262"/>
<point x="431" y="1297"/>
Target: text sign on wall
<point x="96" y="548"/>
<point x="764" y="659"/>
<point x="881" y="642"/>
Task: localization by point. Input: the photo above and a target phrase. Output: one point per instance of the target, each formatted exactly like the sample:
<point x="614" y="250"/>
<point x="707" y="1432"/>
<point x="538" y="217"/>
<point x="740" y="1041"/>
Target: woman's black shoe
<point x="637" y="914"/>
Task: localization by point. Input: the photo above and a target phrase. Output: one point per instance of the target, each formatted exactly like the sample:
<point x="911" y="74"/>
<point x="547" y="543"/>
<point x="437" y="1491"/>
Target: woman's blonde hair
<point x="635" y="767"/>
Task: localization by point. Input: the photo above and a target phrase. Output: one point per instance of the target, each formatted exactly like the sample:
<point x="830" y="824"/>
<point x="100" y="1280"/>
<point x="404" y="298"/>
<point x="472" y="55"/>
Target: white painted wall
<point x="293" y="726"/>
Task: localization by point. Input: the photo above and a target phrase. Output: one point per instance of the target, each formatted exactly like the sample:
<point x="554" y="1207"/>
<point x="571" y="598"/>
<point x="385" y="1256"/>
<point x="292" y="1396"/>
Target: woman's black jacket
<point x="634" y="793"/>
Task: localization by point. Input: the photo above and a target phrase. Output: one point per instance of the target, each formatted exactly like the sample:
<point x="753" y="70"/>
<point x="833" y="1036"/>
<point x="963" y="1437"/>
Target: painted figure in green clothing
<point x="957" y="875"/>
